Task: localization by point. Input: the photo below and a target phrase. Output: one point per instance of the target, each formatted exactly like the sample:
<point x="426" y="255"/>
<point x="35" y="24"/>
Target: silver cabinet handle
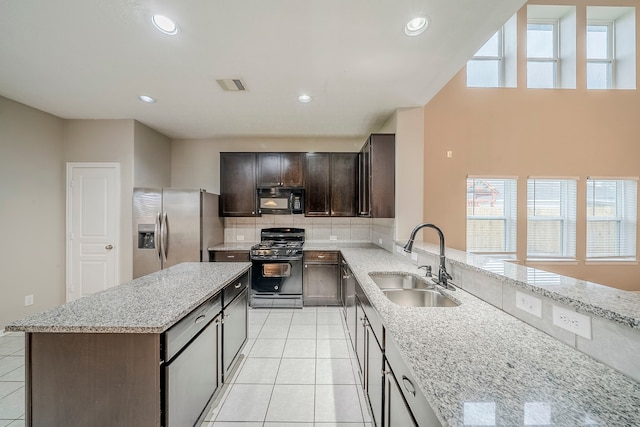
<point x="231" y="256"/>
<point x="108" y="247"/>
<point x="408" y="385"/>
<point x="200" y="318"/>
<point x="321" y="256"/>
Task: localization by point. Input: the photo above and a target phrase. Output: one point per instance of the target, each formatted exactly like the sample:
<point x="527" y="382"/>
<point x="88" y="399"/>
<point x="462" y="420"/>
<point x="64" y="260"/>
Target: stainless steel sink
<point x="419" y="298"/>
<point x="390" y="280"/>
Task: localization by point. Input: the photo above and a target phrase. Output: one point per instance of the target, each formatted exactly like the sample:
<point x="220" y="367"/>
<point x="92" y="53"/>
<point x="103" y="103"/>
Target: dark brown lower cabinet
<point x="136" y="379"/>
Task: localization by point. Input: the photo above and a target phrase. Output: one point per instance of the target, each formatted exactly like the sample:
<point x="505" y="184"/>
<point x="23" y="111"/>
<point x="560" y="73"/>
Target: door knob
<point x="108" y="247"/>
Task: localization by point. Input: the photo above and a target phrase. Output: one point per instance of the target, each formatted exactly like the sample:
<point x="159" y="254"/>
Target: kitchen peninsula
<point x="142" y="353"/>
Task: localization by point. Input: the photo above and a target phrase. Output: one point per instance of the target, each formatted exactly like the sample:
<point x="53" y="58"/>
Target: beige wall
<point x="525" y="132"/>
<point x="151" y="157"/>
<point x="196" y="163"/>
<point x="32" y="210"/>
<point x="108" y="141"/>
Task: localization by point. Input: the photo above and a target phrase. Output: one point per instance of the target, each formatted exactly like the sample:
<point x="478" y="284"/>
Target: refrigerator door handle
<point x="156" y="235"/>
<point x="165" y="235"/>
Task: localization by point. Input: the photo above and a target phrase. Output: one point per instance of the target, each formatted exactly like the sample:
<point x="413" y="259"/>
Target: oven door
<point x="277" y="277"/>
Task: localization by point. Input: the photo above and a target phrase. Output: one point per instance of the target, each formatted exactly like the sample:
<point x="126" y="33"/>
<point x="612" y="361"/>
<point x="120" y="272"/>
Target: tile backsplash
<point x="379" y="231"/>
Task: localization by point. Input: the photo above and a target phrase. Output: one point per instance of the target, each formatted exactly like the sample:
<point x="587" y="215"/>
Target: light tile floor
<point x="296" y="370"/>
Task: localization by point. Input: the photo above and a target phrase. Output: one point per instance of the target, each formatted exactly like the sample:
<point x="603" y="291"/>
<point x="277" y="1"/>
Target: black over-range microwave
<point x="280" y="200"/>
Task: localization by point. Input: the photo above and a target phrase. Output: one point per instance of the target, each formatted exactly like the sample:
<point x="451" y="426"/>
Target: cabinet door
<point x="364" y="180"/>
<point x="382" y="170"/>
<point x="292" y="169"/>
<point x="320" y="284"/>
<point x="234" y="331"/>
<point x="317" y="185"/>
<point x="269" y="167"/>
<point x="396" y="410"/>
<point x="375" y="372"/>
<point x="361" y="341"/>
<point x="344" y="168"/>
<point x="238" y="184"/>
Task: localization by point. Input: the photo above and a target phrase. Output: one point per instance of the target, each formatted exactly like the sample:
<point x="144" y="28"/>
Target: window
<point x="551" y="218"/>
<point x="494" y="65"/>
<point x="611" y="47"/>
<point x="600" y="55"/>
<point x="542" y="54"/>
<point x="551" y="46"/>
<point x="486" y="68"/>
<point x="491" y="216"/>
<point x="611" y="218"/>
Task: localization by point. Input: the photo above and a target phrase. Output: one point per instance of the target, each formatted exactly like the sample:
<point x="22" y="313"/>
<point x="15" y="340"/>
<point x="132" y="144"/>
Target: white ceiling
<point x="90" y="59"/>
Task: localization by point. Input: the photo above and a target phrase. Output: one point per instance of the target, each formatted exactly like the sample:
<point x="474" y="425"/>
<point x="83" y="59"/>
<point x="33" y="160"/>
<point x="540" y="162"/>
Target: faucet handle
<point x="428" y="270"/>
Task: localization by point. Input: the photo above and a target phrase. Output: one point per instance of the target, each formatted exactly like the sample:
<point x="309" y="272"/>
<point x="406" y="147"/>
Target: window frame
<point x="567" y="244"/>
<point x="509" y="218"/>
<point x="555" y="59"/>
<point x="500" y="58"/>
<point x="611" y="55"/>
<point x="626" y="224"/>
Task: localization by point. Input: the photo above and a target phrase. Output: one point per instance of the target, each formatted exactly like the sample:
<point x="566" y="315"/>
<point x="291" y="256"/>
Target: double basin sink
<point x="411" y="290"/>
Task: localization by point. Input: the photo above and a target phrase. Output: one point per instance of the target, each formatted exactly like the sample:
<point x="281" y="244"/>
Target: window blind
<point x="551" y="218"/>
<point x="491" y="215"/>
<point x="612" y="206"/>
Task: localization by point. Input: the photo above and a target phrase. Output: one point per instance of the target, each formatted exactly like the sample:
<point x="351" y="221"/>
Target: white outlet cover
<point x="379" y="241"/>
<point x="529" y="304"/>
<point x="333" y="237"/>
<point x="28" y="300"/>
<point x="239" y="237"/>
<point x="571" y="321"/>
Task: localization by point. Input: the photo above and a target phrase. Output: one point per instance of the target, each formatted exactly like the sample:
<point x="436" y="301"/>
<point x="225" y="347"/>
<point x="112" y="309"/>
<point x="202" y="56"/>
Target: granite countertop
<point x="149" y="304"/>
<point x="603" y="301"/>
<point x="232" y="246"/>
<point x="475" y="363"/>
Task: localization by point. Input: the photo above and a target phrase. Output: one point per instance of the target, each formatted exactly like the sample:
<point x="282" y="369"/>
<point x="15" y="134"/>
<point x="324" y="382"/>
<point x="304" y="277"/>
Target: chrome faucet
<point x="443" y="276"/>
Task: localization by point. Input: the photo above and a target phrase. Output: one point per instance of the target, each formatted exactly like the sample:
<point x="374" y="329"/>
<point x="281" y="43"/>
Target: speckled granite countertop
<point x="235" y="246"/>
<point x="149" y="304"/>
<point x="477" y="365"/>
<point x="603" y="301"/>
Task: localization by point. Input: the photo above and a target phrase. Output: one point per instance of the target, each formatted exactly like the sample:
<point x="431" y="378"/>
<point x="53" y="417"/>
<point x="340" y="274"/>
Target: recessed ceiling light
<point x="416" y="26"/>
<point x="164" y="24"/>
<point x="147" y="99"/>
<point x="305" y="99"/>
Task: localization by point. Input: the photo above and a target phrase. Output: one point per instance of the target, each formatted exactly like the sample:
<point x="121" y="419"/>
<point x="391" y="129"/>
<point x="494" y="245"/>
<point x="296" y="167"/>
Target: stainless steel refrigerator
<point x="171" y="226"/>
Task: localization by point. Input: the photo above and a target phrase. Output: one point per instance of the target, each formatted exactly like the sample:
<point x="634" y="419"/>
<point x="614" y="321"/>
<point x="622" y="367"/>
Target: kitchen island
<point x="121" y="356"/>
<point x="477" y="365"/>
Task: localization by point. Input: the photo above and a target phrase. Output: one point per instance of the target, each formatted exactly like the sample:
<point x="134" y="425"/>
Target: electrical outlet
<point x="449" y="154"/>
<point x="574" y="322"/>
<point x="379" y="241"/>
<point x="240" y="237"/>
<point x="28" y="300"/>
<point x="333" y="237"/>
<point x="528" y="303"/>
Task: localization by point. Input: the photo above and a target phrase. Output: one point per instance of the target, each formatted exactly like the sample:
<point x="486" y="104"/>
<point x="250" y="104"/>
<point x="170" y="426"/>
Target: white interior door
<point x="93" y="206"/>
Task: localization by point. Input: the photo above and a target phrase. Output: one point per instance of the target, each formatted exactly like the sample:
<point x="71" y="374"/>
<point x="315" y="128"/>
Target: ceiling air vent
<point x="232" y="84"/>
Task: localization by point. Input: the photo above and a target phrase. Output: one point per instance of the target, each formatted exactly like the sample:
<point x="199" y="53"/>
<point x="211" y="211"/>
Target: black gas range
<point x="276" y="279"/>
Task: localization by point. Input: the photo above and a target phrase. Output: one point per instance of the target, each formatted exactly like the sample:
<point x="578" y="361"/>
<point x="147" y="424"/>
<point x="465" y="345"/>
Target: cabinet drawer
<point x="321" y="256"/>
<point x="231" y="256"/>
<point x="234" y="288"/>
<point x="187" y="328"/>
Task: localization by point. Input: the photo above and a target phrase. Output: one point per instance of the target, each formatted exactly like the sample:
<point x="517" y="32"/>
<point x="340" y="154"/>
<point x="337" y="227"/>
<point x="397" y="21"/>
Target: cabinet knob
<point x="238" y="285"/>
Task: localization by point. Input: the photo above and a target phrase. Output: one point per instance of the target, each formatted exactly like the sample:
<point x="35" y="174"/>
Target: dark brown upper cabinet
<point x="238" y="184"/>
<point x="331" y="188"/>
<point x="280" y="169"/>
<point x="376" y="177"/>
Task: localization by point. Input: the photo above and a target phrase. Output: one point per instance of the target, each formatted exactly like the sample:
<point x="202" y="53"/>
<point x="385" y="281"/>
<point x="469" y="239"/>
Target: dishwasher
<point x="192" y="369"/>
